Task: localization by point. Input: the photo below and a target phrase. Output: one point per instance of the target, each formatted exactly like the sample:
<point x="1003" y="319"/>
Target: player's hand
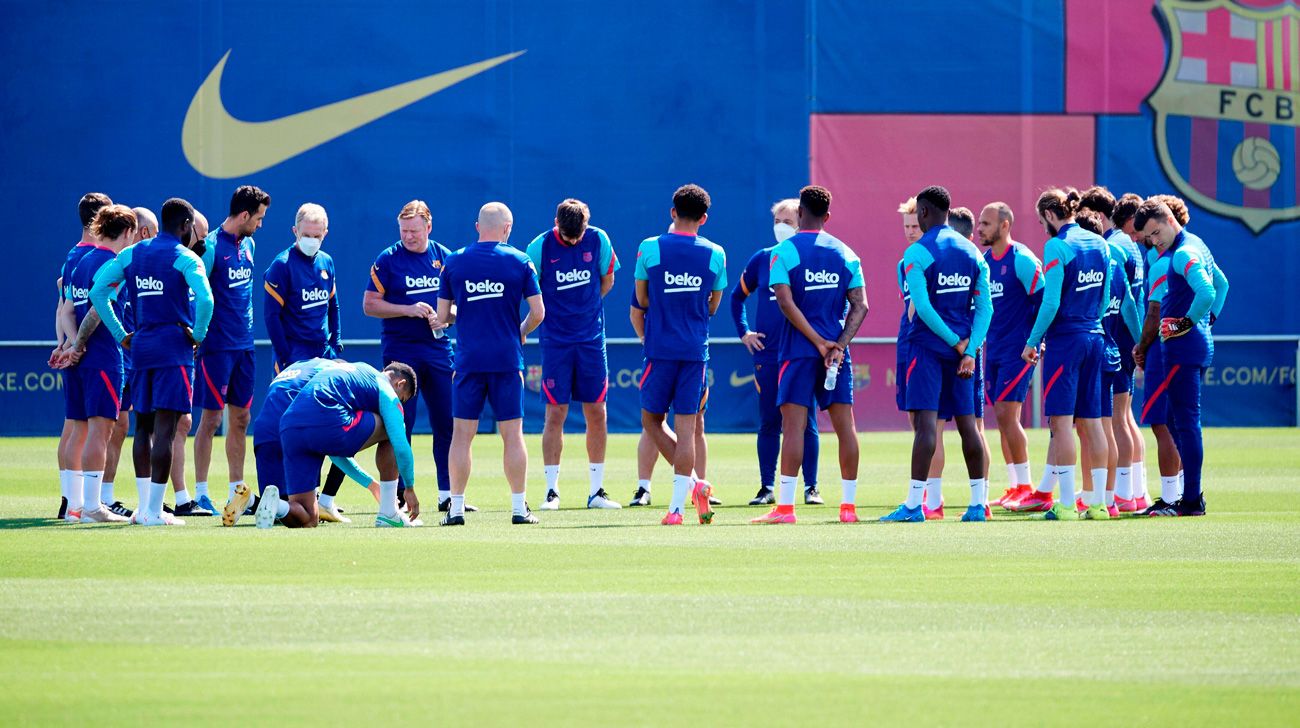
<point x="961" y="346"/>
<point x="1139" y="357"/>
<point x="966" y="369"/>
<point x="835" y="358"/>
<point x="419" y="309"/>
<point x="825" y="348"/>
<point x="753" y="341"/>
<point x="1030" y="354"/>
<point x="56" y="358"/>
<point x="412" y="503"/>
<point x="126" y="341"/>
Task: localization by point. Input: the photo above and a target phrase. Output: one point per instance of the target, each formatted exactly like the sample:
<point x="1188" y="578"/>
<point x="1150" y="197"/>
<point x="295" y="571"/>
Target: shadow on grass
<point x="17" y="524"/>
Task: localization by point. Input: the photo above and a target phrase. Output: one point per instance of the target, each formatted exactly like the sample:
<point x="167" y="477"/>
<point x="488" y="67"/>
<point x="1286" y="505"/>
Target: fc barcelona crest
<point x="1226" y="108"/>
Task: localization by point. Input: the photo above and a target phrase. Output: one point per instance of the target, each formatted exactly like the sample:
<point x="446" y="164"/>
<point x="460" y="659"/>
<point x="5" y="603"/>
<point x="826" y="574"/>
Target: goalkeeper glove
<point x="1172" y="328"/>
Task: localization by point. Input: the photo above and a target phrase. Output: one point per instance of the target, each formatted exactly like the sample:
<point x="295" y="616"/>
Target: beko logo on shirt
<point x="823" y="279"/>
<point x="955" y="283"/>
<point x="148" y="286"/>
<point x="239" y="276"/>
<point x="78" y="295"/>
<point x="995" y="289"/>
<point x="572" y="278"/>
<point x="317" y="296"/>
<point x="683" y="281"/>
<point x="484" y="289"/>
<point x="1112" y="308"/>
<point x="1090" y="279"/>
<point x="422" y="284"/>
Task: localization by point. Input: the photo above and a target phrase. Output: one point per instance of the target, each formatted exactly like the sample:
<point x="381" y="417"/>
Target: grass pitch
<point x="608" y="618"/>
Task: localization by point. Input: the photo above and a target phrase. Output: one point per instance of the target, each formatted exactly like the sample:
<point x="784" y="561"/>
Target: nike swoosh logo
<point x="555" y="260"/>
<point x="738" y="381"/>
<point x="220" y="146"/>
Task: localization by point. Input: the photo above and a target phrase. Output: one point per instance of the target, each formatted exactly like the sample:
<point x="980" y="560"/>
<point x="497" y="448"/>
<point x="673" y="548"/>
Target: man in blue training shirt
<point x="575" y="266"/>
<point x="301" y="308"/>
<point x="1129" y="444"/>
<point x="402" y="291"/>
<point x="1076" y="266"/>
<point x="763" y="343"/>
<point x="226" y="363"/>
<point x="162" y="272"/>
<point x="487" y="281"/>
<point x="342" y="410"/>
<point x="73" y="437"/>
<point x="268" y="454"/>
<point x="1194" y="298"/>
<point x="949" y="284"/>
<point x="99" y="358"/>
<point x="818" y="284"/>
<point x="1015" y="287"/>
<point x="680" y="278"/>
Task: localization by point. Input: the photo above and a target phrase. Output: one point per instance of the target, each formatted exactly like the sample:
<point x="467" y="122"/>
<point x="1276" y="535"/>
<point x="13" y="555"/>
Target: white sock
<point x="850" y="492"/>
<point x="933" y="493"/>
<point x="1169" y="488"/>
<point x="388" y="498"/>
<point x="156" y="493"/>
<point x="65" y="479"/>
<point x="1140" y="476"/>
<point x="1048" y="483"/>
<point x="785" y="490"/>
<point x="325" y="501"/>
<point x="281" y="508"/>
<point x="457" y="504"/>
<point x="979" y="491"/>
<point x="596" y="476"/>
<point x="142" y="495"/>
<point x="76" y="480"/>
<point x="1098" y="486"/>
<point x="200" y="489"/>
<point x="1022" y="474"/>
<point x="914" y="492"/>
<point x="552" y="477"/>
<point x="1065" y="476"/>
<point x="681" y="487"/>
<point x="1110" y="498"/>
<point x="182" y="497"/>
<point x="643" y="484"/>
<point x="91" y="481"/>
<point x="1124" y="483"/>
<point x="1012" y="475"/>
<point x="230" y="490"/>
<point x="517" y="506"/>
<point x="106" y="493"/>
<point x="1180" y="485"/>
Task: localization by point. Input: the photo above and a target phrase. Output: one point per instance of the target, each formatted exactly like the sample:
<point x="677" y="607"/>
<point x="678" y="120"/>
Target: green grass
<point x="608" y="618"/>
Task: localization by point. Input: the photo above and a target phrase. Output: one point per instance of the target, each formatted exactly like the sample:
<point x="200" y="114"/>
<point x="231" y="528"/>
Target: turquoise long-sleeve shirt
<point x="1076" y="268"/>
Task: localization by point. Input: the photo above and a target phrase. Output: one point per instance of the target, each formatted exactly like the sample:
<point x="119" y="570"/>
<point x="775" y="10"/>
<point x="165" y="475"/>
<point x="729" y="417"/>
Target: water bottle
<point x="832" y="376"/>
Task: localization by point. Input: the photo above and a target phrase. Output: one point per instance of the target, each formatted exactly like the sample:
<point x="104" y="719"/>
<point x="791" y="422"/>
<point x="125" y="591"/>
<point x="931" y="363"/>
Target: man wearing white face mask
<point x="762" y="344"/>
<point x="301" y="310"/>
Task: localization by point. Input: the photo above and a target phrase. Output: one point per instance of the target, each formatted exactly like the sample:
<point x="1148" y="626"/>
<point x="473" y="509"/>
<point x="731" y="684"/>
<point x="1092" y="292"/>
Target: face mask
<point x="309" y="246"/>
<point x="783" y="232"/>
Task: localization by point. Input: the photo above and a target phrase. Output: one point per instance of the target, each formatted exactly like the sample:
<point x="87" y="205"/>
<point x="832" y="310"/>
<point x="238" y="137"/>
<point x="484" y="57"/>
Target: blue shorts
<point x="164" y="388"/>
<point x="671" y="383"/>
<point x="270" y="465"/>
<point x="1072" y="365"/>
<point x="1122" y="382"/>
<point x="900" y="377"/>
<point x="1008" y="381"/>
<point x="100" y="389"/>
<point x="74" y="399"/>
<point x="305" y="450"/>
<point x="503" y="390"/>
<point x="126" y="390"/>
<point x="932" y="384"/>
<point x="1107" y="397"/>
<point x="1155" y="388"/>
<point x="226" y="377"/>
<point x="801" y="381"/>
<point x="980" y="396"/>
<point x="574" y="372"/>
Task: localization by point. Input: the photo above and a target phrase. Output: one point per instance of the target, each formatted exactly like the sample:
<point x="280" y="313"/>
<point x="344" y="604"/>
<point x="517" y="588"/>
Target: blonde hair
<point x="313" y="212"/>
<point x="789" y="202"/>
<point x="415" y="208"/>
<point x="908" y="208"/>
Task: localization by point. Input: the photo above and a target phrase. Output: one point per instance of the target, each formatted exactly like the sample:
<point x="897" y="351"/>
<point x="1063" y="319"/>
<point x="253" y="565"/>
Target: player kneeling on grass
<point x="341" y="411"/>
<point x="945" y="275"/>
<point x="816" y="278"/>
<point x="268" y="453"/>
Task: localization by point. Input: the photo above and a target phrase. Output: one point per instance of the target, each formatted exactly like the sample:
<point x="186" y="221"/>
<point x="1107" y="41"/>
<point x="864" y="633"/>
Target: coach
<point x="301" y="310"/>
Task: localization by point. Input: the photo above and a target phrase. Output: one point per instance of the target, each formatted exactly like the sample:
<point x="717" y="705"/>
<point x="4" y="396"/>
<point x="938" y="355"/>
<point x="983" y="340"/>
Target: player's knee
<point x="239" y="418"/>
